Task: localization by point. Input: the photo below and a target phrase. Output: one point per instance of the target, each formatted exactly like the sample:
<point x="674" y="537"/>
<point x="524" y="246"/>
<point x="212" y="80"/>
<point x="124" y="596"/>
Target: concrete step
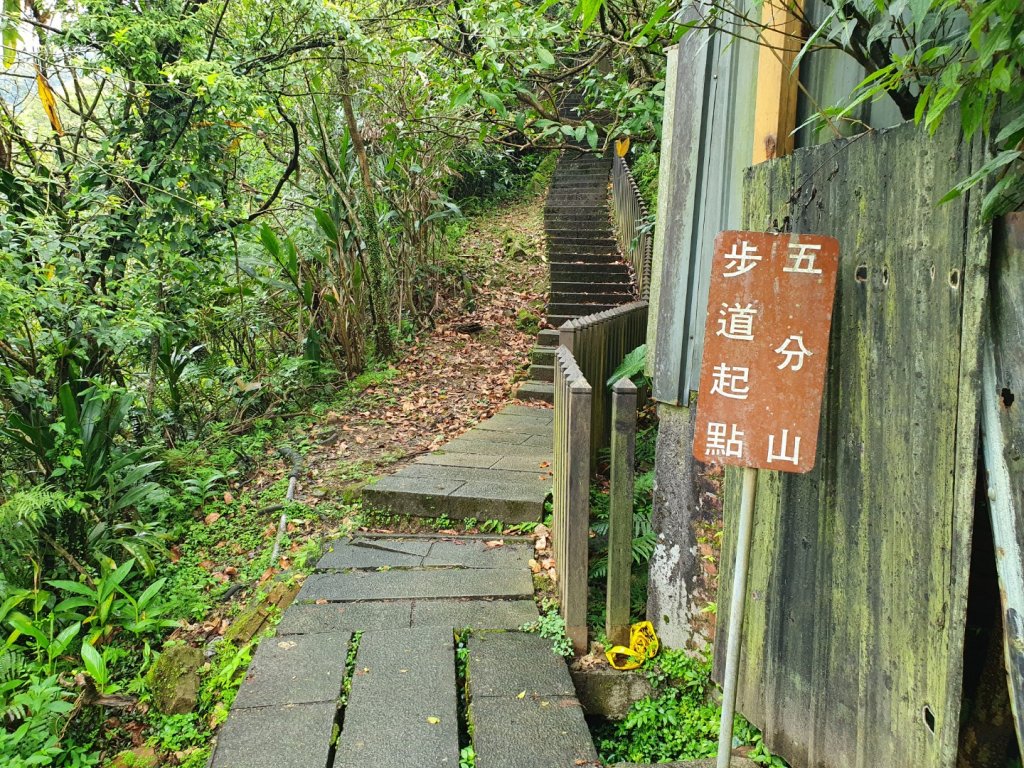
<point x="606" y="297"/>
<point x="573" y="209"/>
<point x="468" y="476"/>
<point x="536" y="390"/>
<point x="581" y="252"/>
<point x="594" y="284"/>
<point x="542" y="355"/>
<point x="542" y="372"/>
<point x="573" y="226"/>
<point x="555" y="321"/>
<point x="572" y="256"/>
<point x="576" y="271"/>
<point x="583" y="162"/>
<point x="595" y="226"/>
<point x="582" y="242"/>
<point x="587" y="197"/>
<point x="406" y="685"/>
<point x="523" y="705"/>
<point x="548" y="337"/>
<point x="570" y="183"/>
<point x="578" y="310"/>
<point x="588" y="178"/>
<point x="602" y="256"/>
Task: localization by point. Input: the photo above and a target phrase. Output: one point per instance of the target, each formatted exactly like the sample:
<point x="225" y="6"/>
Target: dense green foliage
<point x="932" y="58"/>
<point x="644" y="537"/>
<point x="679" y="721"/>
<point x="213" y="214"/>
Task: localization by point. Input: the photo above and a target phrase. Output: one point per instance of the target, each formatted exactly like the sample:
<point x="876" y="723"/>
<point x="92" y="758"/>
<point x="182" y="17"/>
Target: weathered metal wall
<point x="853" y="643"/>
<point x="1003" y="431"/>
<point x="708" y="134"/>
<point x="707" y="142"/>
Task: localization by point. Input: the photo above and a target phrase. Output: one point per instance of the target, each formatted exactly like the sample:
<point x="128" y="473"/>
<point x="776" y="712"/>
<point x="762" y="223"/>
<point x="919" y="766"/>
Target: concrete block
<point x="609" y="693"/>
<point x="402" y="710"/>
<point x="310" y="618"/>
<point x="508" y="663"/>
<point x="291" y="736"/>
<point x="474" y="614"/>
<point x="295" y="669"/>
<point x="397" y="585"/>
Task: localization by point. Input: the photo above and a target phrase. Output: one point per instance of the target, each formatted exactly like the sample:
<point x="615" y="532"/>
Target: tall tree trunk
<point x="379" y="304"/>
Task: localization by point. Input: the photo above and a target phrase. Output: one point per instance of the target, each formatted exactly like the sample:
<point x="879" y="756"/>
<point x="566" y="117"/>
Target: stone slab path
<point x="396" y="603"/>
<point x="499" y="470"/>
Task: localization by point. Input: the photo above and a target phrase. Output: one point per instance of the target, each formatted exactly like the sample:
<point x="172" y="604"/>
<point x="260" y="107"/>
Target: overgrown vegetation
<point x="933" y="58"/>
<point x="551" y="626"/>
<point x="217" y="215"/>
<point x="644" y="538"/>
<point x="92" y="588"/>
<point x="679" y="721"/>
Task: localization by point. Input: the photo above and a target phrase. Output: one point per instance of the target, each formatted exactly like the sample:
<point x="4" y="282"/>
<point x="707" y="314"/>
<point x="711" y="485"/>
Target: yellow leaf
<point x="521" y="695"/>
<point x="433" y="720"/>
<point x="49" y="102"/>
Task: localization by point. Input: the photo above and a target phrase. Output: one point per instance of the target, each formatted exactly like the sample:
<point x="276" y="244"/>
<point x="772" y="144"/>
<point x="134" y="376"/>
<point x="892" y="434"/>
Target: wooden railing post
<point x="577" y="534"/>
<point x="571" y="497"/>
<point x="620" y="514"/>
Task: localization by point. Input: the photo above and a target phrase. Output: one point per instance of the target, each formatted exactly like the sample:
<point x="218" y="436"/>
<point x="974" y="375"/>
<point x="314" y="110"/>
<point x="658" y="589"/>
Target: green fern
<point x="26" y="514"/>
<point x="13" y="671"/>
<point x="644" y="539"/>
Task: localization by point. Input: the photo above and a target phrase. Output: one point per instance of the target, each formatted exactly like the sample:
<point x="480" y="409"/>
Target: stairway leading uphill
<point x="586" y="271"/>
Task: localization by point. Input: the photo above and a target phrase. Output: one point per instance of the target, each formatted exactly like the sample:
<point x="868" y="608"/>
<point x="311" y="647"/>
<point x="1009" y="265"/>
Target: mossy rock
<point x="527" y="322"/>
<point x="255" y="618"/>
<point x="140" y="757"/>
<point x="174" y="679"/>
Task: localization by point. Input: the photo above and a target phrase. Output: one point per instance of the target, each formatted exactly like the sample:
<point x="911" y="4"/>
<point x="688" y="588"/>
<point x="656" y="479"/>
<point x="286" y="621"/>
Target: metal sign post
<point x="739" y="594"/>
<point x="762" y="375"/>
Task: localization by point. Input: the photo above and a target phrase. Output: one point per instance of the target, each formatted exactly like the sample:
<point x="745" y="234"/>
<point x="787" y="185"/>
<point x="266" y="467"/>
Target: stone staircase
<point x="586" y="272"/>
<point x="365" y="669"/>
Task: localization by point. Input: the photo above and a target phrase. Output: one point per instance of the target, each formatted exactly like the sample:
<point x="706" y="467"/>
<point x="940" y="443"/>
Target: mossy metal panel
<point x="1003" y="429"/>
<point x="853" y="635"/>
<point x="710" y="133"/>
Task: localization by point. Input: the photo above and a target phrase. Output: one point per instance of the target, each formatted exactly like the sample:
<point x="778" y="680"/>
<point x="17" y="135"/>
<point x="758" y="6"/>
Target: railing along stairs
<point x="590" y="349"/>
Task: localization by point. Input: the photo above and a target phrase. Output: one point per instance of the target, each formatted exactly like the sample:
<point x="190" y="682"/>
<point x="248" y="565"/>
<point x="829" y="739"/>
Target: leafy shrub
<point x="33" y="710"/>
<point x="551" y="626"/>
<point x="644" y="537"/>
<point x="95" y="494"/>
<point x="645" y="171"/>
<point x="678" y="722"/>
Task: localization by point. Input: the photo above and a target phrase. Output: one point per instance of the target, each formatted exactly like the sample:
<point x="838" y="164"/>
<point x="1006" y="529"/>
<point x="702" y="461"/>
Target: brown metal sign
<point x="765" y="350"/>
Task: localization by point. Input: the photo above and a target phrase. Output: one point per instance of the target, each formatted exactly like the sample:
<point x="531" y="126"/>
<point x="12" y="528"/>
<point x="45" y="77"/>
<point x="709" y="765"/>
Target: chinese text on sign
<point x="765" y="350"/>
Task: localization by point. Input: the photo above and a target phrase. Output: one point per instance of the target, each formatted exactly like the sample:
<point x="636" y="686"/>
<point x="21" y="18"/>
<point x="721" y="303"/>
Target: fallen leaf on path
<point x="494" y="544"/>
